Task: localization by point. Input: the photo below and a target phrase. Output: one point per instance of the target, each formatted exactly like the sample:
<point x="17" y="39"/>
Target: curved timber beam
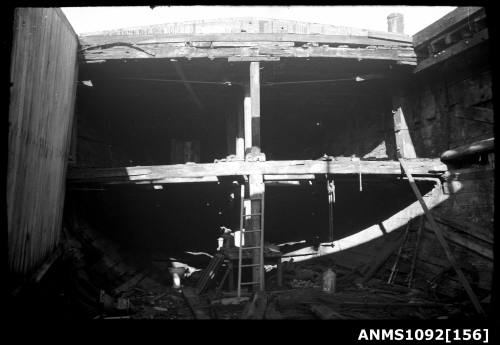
<point x="396" y="221"/>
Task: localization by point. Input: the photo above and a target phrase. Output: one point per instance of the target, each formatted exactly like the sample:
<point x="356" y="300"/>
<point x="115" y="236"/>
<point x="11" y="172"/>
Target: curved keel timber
<point x="396" y="221"/>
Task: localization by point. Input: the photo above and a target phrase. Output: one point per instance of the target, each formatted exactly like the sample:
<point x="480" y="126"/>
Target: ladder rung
<point x="250" y="265"/>
<point x="250" y="248"/>
<point x="250" y="283"/>
<point x="247" y="231"/>
<point x="252" y="214"/>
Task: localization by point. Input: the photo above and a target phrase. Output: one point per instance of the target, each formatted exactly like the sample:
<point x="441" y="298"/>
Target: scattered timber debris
<point x="125" y="292"/>
<point x="362" y="291"/>
<point x="326" y="313"/>
<point x="256" y="309"/>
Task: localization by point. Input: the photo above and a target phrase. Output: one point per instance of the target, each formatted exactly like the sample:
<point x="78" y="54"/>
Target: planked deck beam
<point x="125" y="51"/>
<point x="240" y="39"/>
<point x="272" y="170"/>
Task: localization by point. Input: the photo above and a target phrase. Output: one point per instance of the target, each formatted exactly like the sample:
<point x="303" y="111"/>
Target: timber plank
<point x="324" y="312"/>
<point x="235" y="39"/>
<point x="374" y="232"/>
<point x="467" y="228"/>
<point x="404" y="143"/>
<point x="43" y="74"/>
<point x="252" y="58"/>
<point x="203" y="170"/>
<point x="255" y="102"/>
<point x="478" y="114"/>
<point x="445" y="23"/>
<point x="470" y="174"/>
<point x="474" y="246"/>
<point x="391" y="36"/>
<point x="168" y="51"/>
<point x="453" y="50"/>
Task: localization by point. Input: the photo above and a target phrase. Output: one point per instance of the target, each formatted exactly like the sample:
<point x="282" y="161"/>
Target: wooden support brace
<point x="442" y="241"/>
<point x="404" y="143"/>
<point x="255" y="102"/>
<point x="240" y="128"/>
<point x="247" y="118"/>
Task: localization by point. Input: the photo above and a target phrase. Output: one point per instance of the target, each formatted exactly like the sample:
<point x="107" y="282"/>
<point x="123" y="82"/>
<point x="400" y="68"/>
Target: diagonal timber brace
<point x="442" y="240"/>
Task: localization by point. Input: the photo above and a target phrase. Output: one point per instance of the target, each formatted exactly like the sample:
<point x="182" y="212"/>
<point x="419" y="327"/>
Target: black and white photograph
<point x="253" y="163"/>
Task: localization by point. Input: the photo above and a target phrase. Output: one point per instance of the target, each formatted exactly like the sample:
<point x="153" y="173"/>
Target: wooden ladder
<point x="257" y="243"/>
<point x="407" y="253"/>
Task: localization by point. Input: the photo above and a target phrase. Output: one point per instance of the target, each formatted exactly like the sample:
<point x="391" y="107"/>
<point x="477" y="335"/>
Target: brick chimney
<point x="395" y="23"/>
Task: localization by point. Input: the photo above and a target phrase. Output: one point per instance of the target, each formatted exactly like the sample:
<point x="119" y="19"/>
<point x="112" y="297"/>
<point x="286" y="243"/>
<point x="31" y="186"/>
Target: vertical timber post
<point x="240" y="130"/>
<point x="256" y="185"/>
<point x="235" y="128"/>
<point x="247" y="118"/>
<point x="255" y="102"/>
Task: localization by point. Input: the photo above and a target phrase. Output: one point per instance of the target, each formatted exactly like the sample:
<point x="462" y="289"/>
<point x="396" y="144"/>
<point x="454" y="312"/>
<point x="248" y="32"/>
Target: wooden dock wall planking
<point x="43" y="76"/>
<point x="450" y="102"/>
<point x="450" y="105"/>
<point x="450" y="109"/>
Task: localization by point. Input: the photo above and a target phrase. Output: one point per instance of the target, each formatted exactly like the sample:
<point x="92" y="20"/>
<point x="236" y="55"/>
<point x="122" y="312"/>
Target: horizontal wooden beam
<point x="478" y="248"/>
<point x="371" y="38"/>
<point x="273" y="180"/>
<point x="468" y="242"/>
<point x="283" y="183"/>
<point x="151" y="51"/>
<point x="474" y="113"/>
<point x="252" y="58"/>
<point x="289" y="177"/>
<point x="445" y="23"/>
<point x="467" y="228"/>
<point x="478" y="172"/>
<point x="453" y="50"/>
<point x="210" y="172"/>
<point x="392" y="36"/>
